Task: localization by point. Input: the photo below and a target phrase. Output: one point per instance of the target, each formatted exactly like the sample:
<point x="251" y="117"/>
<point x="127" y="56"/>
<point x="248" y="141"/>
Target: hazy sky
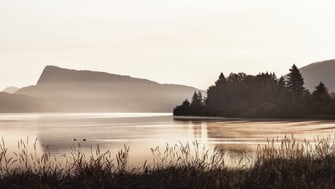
<point x="169" y="41"/>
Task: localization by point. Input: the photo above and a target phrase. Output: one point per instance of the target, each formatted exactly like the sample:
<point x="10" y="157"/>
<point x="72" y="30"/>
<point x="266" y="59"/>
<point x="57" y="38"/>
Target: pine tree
<point x="196" y="99"/>
<point x="197" y="104"/>
<point x="221" y="81"/>
<point x="183" y="109"/>
<point x="281" y="82"/>
<point x="215" y="101"/>
<point x="295" y="83"/>
<point x="186" y="103"/>
<point x="320" y="93"/>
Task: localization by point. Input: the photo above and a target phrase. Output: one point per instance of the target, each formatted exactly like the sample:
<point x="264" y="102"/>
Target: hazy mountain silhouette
<point x="320" y="71"/>
<point x="88" y="91"/>
<point x="10" y="90"/>
<point x="10" y="103"/>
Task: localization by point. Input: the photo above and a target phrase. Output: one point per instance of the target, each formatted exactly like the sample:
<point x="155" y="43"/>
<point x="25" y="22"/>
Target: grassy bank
<point x="285" y="165"/>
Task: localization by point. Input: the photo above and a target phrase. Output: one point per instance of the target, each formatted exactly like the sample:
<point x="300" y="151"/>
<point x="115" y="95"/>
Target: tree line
<point x="263" y="96"/>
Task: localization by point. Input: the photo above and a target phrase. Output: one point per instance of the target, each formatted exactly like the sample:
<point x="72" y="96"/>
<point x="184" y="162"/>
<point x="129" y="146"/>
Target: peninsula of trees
<point x="261" y="96"/>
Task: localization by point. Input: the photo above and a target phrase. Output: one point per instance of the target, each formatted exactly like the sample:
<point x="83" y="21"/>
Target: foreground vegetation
<point x="261" y="96"/>
<point x="288" y="164"/>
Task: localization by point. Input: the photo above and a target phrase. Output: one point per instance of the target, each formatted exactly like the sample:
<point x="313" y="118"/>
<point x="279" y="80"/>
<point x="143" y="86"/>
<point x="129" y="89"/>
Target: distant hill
<point x="10" y="103"/>
<point x="88" y="91"/>
<point x="319" y="71"/>
<point x="10" y="90"/>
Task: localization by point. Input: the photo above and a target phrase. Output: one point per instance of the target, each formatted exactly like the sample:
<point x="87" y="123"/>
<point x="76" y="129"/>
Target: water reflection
<point x="58" y="133"/>
<point x="14" y="139"/>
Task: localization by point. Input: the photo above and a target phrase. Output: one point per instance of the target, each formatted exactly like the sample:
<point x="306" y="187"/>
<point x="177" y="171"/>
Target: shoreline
<point x="219" y="118"/>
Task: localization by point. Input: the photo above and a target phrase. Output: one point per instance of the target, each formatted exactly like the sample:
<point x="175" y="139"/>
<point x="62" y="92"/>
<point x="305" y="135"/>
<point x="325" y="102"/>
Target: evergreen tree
<point x="295" y="83"/>
<point x="197" y="99"/>
<point x="281" y="83"/>
<point x="196" y="106"/>
<point x="216" y="96"/>
<point x="221" y="81"/>
<point x="186" y="103"/>
<point x="183" y="109"/>
<point x="284" y="99"/>
<point x="320" y="93"/>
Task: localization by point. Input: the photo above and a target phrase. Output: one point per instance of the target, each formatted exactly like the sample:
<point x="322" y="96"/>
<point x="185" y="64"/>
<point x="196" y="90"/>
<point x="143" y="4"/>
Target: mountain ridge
<point x="51" y="73"/>
<point x="323" y="71"/>
<point x="10" y="89"/>
<point x="17" y="103"/>
<point x="90" y="91"/>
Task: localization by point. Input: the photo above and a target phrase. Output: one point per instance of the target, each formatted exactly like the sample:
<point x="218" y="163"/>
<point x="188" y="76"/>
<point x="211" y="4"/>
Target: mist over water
<point x="61" y="132"/>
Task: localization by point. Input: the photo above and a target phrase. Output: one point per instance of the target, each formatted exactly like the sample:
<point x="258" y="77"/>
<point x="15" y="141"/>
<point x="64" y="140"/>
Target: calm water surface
<point x="59" y="133"/>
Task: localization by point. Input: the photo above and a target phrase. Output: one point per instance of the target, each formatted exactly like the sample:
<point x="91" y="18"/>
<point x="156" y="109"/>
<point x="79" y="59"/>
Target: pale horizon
<point x="179" y="42"/>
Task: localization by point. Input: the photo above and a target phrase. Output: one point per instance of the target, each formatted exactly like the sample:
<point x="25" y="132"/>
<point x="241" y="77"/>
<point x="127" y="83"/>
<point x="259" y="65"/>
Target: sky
<point x="169" y="41"/>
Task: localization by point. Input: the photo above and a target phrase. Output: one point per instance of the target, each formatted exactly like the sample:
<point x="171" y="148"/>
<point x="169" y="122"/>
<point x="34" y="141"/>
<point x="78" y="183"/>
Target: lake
<point x="58" y="133"/>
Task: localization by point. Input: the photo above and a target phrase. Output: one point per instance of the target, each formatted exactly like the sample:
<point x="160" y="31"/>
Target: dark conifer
<point x="295" y="83"/>
<point x="321" y="93"/>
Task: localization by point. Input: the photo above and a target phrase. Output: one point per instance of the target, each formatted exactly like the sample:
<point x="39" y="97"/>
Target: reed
<point x="282" y="163"/>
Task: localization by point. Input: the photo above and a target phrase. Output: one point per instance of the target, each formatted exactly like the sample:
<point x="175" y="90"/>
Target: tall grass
<point x="284" y="163"/>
